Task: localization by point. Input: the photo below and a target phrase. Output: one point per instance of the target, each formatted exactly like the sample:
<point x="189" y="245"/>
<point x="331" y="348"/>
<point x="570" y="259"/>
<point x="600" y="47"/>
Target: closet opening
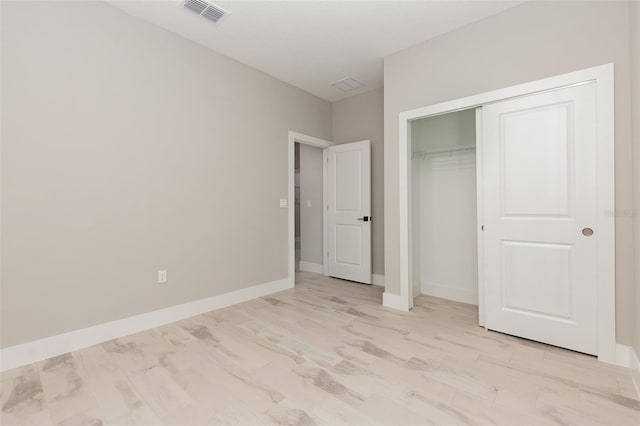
<point x="544" y="180"/>
<point x="444" y="205"/>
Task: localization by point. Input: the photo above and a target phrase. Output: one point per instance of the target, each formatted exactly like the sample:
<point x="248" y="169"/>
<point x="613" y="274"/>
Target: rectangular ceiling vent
<point x="205" y="9"/>
<point x="347" y="84"/>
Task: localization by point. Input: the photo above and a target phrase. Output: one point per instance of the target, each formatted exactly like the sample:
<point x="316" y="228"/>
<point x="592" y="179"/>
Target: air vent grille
<point x="205" y="9"/>
<point x="347" y="84"/>
<point x="197" y="6"/>
<point x="213" y="13"/>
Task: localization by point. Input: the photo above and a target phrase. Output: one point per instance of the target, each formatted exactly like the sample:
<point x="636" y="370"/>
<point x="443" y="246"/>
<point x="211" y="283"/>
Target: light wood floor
<point x="324" y="353"/>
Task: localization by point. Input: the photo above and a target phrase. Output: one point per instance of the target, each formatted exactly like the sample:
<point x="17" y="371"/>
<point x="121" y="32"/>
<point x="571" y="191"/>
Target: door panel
<point x="539" y="163"/>
<point x="349" y="204"/>
<point x="553" y="283"/>
<point x="349" y="245"/>
<point x="348" y="170"/>
<point x="536" y="139"/>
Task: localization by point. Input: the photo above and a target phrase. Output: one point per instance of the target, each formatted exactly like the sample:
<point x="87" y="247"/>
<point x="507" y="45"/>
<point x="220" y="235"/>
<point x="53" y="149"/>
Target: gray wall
<point x="635" y="93"/>
<point x="127" y="149"/>
<point x="528" y="42"/>
<point x="359" y="118"/>
<point x="311" y="186"/>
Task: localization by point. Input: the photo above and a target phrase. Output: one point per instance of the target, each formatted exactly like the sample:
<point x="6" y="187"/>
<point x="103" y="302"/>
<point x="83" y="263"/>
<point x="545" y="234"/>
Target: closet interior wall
<point x="297" y="204"/>
<point x="443" y="203"/>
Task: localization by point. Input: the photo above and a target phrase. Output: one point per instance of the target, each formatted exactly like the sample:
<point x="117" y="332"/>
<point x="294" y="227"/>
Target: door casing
<point x="603" y="76"/>
<point x="291" y="196"/>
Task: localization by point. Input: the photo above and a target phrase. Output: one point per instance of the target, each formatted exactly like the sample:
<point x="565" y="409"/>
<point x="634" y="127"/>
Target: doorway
<point x="345" y="208"/>
<point x="296" y="139"/>
<point x="309" y="218"/>
<point x="545" y="182"/>
<point x="444" y="206"/>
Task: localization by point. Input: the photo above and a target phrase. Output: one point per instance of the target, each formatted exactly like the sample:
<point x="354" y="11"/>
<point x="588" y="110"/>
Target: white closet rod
<point x="445" y="151"/>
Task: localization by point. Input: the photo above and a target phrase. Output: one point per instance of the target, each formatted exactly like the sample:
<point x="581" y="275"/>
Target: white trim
<point x="394" y="301"/>
<point x="311" y="267"/>
<point x="291" y="194"/>
<point x="627" y="357"/>
<point x="404" y="170"/>
<point x="480" y="210"/>
<point x="451" y="293"/>
<point x="605" y="193"/>
<point x="603" y="76"/>
<point x="16" y="356"/>
<point x="634" y="365"/>
<point x="325" y="209"/>
<point x="377" y="279"/>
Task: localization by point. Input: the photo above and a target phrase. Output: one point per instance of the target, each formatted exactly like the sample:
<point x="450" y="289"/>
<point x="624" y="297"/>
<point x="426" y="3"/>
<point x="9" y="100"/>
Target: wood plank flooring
<point x="326" y="352"/>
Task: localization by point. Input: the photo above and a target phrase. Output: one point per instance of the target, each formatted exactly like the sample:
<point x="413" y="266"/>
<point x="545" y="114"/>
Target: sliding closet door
<point x="539" y="189"/>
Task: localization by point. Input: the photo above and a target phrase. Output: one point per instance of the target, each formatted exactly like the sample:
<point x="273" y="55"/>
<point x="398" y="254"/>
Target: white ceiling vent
<point x="205" y="9"/>
<point x="347" y="84"/>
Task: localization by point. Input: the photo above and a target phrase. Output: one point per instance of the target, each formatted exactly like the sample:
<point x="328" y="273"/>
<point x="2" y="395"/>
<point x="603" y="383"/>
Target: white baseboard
<point x="310" y="267"/>
<point x="634" y="365"/>
<point x="378" y="279"/>
<point x="451" y="293"/>
<point x="623" y="355"/>
<point x="627" y="357"/>
<point x="394" y="301"/>
<point x="16" y="356"/>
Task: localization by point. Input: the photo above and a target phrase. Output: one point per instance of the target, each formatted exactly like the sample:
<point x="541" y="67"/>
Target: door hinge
<point x="327" y="254"/>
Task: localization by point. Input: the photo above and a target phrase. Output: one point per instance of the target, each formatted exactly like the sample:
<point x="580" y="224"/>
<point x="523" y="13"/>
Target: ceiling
<point x="311" y="44"/>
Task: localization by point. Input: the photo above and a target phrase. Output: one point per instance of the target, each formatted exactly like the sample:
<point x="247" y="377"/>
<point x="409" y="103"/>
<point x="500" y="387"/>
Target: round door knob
<point x="587" y="232"/>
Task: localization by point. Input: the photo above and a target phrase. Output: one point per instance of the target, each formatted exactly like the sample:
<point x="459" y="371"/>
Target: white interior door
<point x="539" y="166"/>
<point x="349" y="211"/>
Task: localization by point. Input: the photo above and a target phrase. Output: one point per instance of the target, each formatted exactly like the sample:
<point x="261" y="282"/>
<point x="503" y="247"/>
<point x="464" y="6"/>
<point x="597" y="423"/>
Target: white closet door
<point x="349" y="211"/>
<point x="539" y="166"/>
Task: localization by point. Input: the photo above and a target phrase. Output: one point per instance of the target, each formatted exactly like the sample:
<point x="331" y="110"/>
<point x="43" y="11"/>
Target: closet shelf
<point x="423" y="154"/>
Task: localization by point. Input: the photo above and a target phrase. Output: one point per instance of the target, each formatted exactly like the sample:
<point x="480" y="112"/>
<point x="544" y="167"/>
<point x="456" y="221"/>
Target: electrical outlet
<point x="162" y="277"/>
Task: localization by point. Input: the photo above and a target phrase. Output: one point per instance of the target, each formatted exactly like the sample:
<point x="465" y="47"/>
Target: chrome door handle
<point x="364" y="219"/>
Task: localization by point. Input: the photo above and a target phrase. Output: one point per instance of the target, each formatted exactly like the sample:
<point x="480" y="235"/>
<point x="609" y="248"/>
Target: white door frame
<point x="319" y="143"/>
<point x="603" y="76"/>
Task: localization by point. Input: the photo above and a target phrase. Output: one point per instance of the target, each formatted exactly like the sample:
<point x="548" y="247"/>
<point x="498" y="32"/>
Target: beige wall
<point x="445" y="131"/>
<point x="359" y="118"/>
<point x="528" y="42"/>
<point x="635" y="98"/>
<point x="127" y="149"/>
<point x="311" y="217"/>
